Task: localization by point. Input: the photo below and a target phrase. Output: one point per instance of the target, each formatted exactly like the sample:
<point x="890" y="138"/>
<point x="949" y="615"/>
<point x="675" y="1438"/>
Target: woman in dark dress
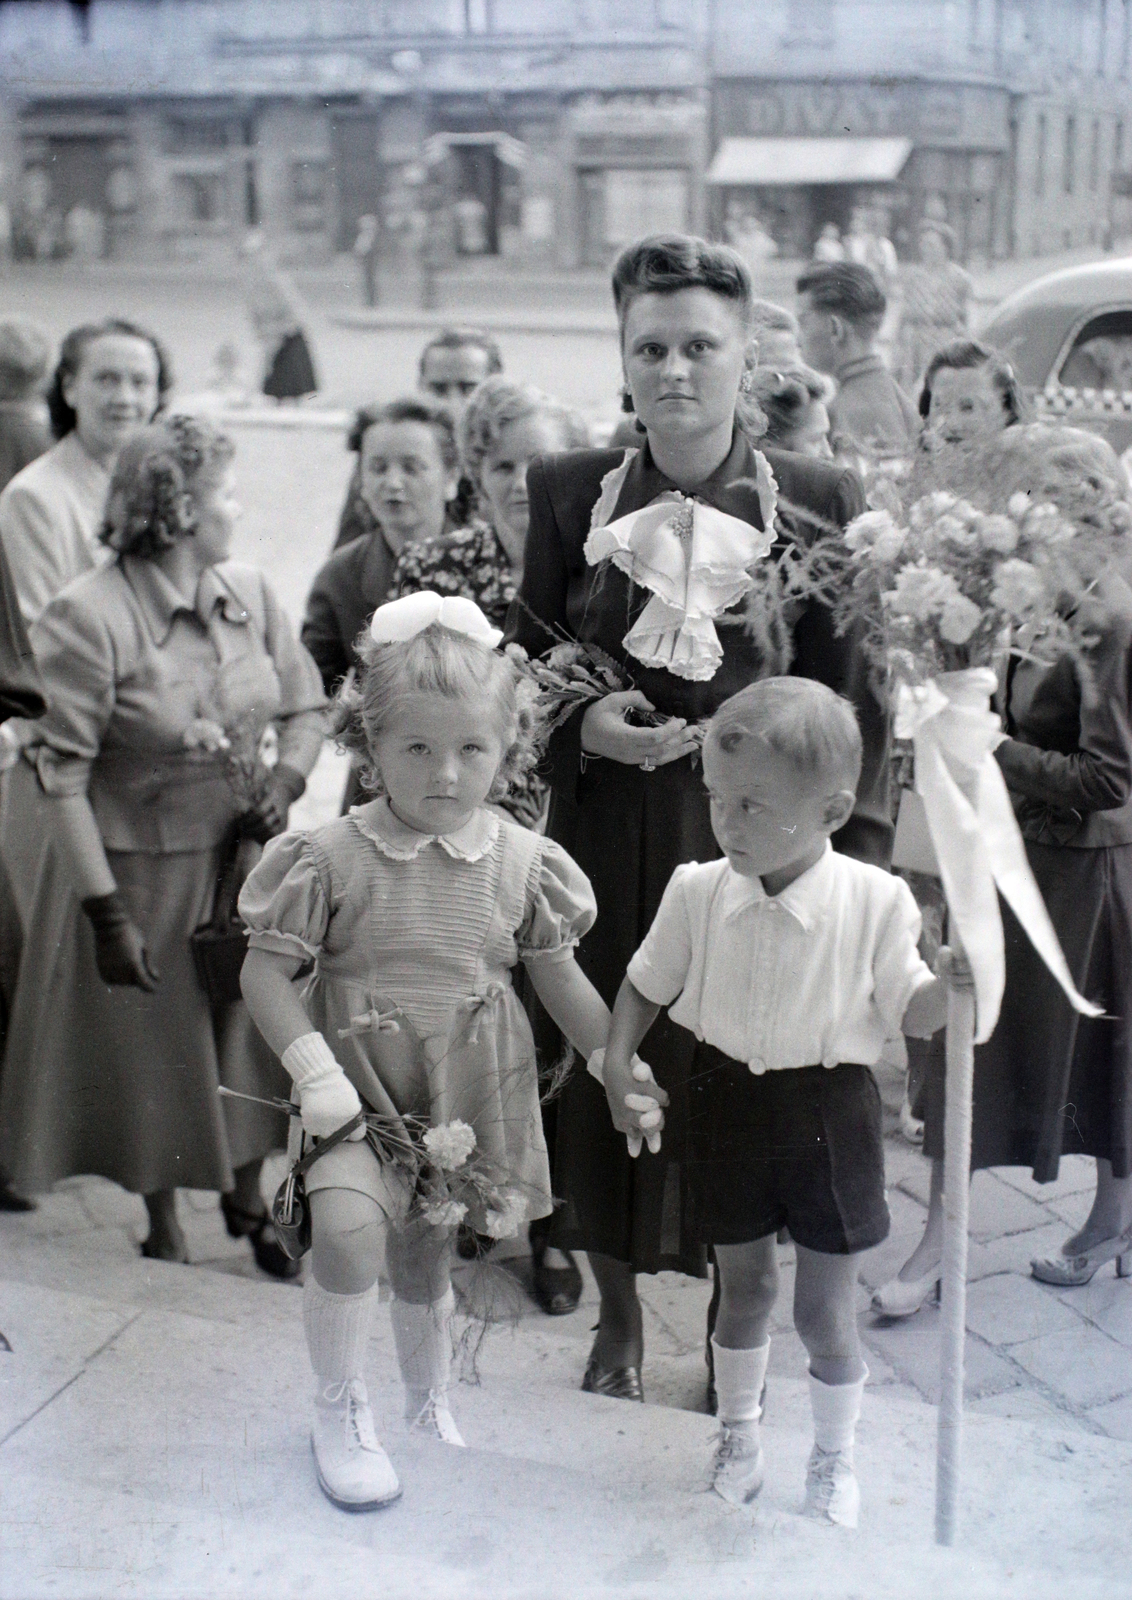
<point x="1049" y="1082"/>
<point x="628" y="800"/>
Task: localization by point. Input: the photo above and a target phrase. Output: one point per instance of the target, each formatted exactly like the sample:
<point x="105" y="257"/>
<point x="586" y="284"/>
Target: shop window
<point x="308" y="195"/>
<point x="643" y="201"/>
<point x="809" y="22"/>
<point x="192" y="136"/>
<point x="1101" y="357"/>
<point x="1068" y="171"/>
<point x="1094" y="157"/>
<point x="198" y="197"/>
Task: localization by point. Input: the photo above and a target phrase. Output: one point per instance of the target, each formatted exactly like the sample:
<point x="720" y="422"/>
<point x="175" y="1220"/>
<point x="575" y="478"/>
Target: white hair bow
<point x="403" y="619"/>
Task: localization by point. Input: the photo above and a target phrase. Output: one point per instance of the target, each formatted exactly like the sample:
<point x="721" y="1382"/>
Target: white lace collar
<point x="694" y="558"/>
<point x="399" y="842"/>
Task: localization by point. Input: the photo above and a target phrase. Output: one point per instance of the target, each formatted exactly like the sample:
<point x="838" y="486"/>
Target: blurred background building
<point x="547" y="132"/>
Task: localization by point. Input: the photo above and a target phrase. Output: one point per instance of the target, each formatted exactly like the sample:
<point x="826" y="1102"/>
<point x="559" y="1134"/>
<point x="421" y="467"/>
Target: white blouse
<point x="50" y="515"/>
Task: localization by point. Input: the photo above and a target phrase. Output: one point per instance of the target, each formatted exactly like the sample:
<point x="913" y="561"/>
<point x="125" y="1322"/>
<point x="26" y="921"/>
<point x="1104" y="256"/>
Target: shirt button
<point x="757" y="1066"/>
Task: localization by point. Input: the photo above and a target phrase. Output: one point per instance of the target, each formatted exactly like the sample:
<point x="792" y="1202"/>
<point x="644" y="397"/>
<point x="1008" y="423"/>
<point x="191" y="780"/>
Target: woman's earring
<point x="627" y="398"/>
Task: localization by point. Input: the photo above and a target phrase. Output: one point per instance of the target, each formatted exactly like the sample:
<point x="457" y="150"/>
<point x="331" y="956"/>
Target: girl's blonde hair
<point x="439" y="661"/>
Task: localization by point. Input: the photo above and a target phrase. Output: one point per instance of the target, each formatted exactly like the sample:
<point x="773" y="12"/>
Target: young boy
<point x="792" y="965"/>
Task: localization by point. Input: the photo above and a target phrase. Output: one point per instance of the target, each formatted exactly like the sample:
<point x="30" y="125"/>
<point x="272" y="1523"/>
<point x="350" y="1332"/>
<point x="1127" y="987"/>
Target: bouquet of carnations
<point x="246" y="750"/>
<point x="447" y="1175"/>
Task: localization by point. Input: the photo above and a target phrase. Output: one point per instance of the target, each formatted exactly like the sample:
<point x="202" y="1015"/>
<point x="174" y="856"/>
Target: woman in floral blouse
<point x="505" y="426"/>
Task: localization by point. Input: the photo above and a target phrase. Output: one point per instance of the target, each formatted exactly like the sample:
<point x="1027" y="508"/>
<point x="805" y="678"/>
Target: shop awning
<point x="783" y="161"/>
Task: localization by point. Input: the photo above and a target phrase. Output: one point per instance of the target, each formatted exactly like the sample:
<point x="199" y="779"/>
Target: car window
<point x="1101" y="357"/>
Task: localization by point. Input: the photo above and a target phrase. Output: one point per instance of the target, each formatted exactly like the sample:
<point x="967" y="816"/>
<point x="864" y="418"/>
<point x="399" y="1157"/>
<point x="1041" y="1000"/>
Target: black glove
<point x="119" y="947"/>
<point x="268" y="817"/>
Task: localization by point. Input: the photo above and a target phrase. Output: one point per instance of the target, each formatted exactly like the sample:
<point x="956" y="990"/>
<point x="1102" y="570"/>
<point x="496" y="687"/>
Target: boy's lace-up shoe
<point x="354" y="1472"/>
<point x="737" y="1471"/>
<point x="435" y="1419"/>
<point x="831" y="1488"/>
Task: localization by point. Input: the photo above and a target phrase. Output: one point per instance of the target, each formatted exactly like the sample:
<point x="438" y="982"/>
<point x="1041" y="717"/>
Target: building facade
<point x="547" y="132"/>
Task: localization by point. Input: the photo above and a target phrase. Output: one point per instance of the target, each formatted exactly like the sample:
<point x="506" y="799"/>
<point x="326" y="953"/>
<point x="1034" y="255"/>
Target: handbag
<point x="220" y="945"/>
<point x="290" y="1210"/>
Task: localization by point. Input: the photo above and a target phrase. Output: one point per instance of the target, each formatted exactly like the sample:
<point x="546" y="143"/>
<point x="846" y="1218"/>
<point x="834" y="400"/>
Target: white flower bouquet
<point x="448" y="1175"/>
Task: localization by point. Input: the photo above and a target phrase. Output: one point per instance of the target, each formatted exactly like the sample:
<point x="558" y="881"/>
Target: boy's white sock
<point x="422" y="1334"/>
<point x="739" y="1376"/>
<point x="836" y="1407"/>
<point x="337" y="1328"/>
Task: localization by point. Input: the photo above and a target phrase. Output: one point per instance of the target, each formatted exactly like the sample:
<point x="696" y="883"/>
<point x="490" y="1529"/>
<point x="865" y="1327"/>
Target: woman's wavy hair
<point x="156" y="477"/>
<point x="441" y="662"/>
<point x="427" y="412"/>
<point x="499" y="401"/>
<point x="965" y="354"/>
<point x="71" y="352"/>
<point x="786" y="398"/>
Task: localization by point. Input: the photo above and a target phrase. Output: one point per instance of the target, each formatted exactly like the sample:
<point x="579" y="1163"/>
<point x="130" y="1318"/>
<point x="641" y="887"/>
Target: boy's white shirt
<point x="819" y="974"/>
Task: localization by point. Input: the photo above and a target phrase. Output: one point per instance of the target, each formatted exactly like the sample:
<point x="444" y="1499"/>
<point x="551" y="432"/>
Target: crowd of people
<point x="694" y="864"/>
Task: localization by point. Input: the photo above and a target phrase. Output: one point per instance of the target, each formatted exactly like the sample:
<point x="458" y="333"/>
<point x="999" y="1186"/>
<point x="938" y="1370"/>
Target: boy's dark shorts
<point x="798" y="1149"/>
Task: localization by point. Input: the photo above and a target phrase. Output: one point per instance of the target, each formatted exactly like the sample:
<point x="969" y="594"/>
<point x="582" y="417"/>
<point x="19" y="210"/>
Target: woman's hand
<point x="268" y="818"/>
<point x="119" y="945"/>
<point x="605" y="732"/>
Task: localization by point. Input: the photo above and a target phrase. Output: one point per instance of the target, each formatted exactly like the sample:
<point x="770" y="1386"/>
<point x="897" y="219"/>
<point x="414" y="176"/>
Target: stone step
<point x="156" y="1446"/>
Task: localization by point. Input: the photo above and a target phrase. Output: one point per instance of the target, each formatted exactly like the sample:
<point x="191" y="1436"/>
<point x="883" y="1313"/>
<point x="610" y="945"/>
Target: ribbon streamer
<point x="975" y="833"/>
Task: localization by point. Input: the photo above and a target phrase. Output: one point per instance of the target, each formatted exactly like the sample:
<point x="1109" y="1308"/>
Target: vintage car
<point x="1069" y="339"/>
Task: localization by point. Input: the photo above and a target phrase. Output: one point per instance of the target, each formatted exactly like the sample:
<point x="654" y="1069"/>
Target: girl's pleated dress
<point x="425" y="930"/>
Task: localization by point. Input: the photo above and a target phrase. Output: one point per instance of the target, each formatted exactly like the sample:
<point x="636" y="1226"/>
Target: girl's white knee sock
<point x="337" y="1328"/>
<point x="836" y="1407"/>
<point x="422" y="1334"/>
<point x="739" y="1376"/>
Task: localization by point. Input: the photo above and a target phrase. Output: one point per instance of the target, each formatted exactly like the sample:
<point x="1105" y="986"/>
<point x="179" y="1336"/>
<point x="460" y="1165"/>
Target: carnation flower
<point x="445" y="1213"/>
<point x="1018" y="504"/>
<point x="1045" y="522"/>
<point x="450" y="1144"/>
<point x="863" y="532"/>
<point x="1018" y="588"/>
<point x="959" y="619"/>
<point x="204" y="734"/>
<point x="507" y="1215"/>
<point x="926" y="511"/>
<point x="997" y="533"/>
<point x="921" y="592"/>
<point x="955" y="531"/>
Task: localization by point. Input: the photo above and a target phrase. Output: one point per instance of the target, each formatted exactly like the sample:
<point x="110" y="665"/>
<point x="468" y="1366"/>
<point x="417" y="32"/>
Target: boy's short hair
<point x="801" y="720"/>
<point x="847" y="288"/>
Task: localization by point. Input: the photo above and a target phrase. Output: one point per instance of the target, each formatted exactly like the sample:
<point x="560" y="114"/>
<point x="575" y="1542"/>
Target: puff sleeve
<point x="561" y="910"/>
<point x="285" y="901"/>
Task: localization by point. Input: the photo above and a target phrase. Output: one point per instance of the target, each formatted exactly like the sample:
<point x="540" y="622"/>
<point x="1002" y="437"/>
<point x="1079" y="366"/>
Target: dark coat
<point x="628" y="829"/>
<point x="346" y="592"/>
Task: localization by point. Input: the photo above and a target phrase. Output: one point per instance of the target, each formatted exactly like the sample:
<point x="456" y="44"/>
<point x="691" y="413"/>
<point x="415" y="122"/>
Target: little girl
<point x="415" y="905"/>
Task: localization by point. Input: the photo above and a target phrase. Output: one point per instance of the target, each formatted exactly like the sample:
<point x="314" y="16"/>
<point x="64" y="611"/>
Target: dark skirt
<point x="1050" y="1082"/>
<point x="291" y="373"/>
<point x="628" y="832"/>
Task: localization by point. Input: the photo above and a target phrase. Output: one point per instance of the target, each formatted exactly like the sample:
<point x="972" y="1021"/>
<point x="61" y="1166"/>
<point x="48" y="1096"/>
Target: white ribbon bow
<point x="975" y="833"/>
<point x="399" y="620"/>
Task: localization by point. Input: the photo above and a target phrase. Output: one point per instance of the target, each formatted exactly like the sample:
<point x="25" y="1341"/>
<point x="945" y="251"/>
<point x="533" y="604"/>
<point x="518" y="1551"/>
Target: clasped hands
<point x="639" y="1115"/>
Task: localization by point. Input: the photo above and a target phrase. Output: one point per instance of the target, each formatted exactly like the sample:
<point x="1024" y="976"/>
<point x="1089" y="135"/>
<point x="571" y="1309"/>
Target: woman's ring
<point x="647" y="765"/>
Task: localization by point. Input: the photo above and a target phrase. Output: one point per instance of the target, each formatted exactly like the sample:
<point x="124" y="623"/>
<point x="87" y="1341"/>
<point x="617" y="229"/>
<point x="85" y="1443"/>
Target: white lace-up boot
<point x="832" y="1492"/>
<point x="353" y="1470"/>
<point x="737" y="1470"/>
<point x="422" y="1334"/>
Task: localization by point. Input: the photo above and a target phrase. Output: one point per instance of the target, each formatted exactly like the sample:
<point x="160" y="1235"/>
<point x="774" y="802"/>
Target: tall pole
<point x="956" y="1206"/>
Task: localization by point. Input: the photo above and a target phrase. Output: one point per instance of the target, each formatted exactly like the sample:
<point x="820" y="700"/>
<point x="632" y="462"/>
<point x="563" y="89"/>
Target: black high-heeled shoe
<point x="557" y="1290"/>
<point x="256" y="1228"/>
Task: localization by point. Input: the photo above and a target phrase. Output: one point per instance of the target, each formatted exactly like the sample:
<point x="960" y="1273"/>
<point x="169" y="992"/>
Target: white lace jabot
<point x="399" y="842"/>
<point x="694" y="558"/>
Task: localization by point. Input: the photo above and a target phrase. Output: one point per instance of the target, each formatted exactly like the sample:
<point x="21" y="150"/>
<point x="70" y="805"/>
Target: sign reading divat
<point x="816" y="109"/>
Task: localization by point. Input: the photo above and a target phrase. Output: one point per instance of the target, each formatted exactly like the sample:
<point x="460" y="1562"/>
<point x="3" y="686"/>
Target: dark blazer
<point x="1068" y="758"/>
<point x="21" y="692"/>
<point x="560" y="592"/>
<point x="344" y="596"/>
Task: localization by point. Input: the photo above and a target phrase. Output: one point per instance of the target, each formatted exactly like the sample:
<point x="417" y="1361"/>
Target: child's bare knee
<point x="348" y="1234"/>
